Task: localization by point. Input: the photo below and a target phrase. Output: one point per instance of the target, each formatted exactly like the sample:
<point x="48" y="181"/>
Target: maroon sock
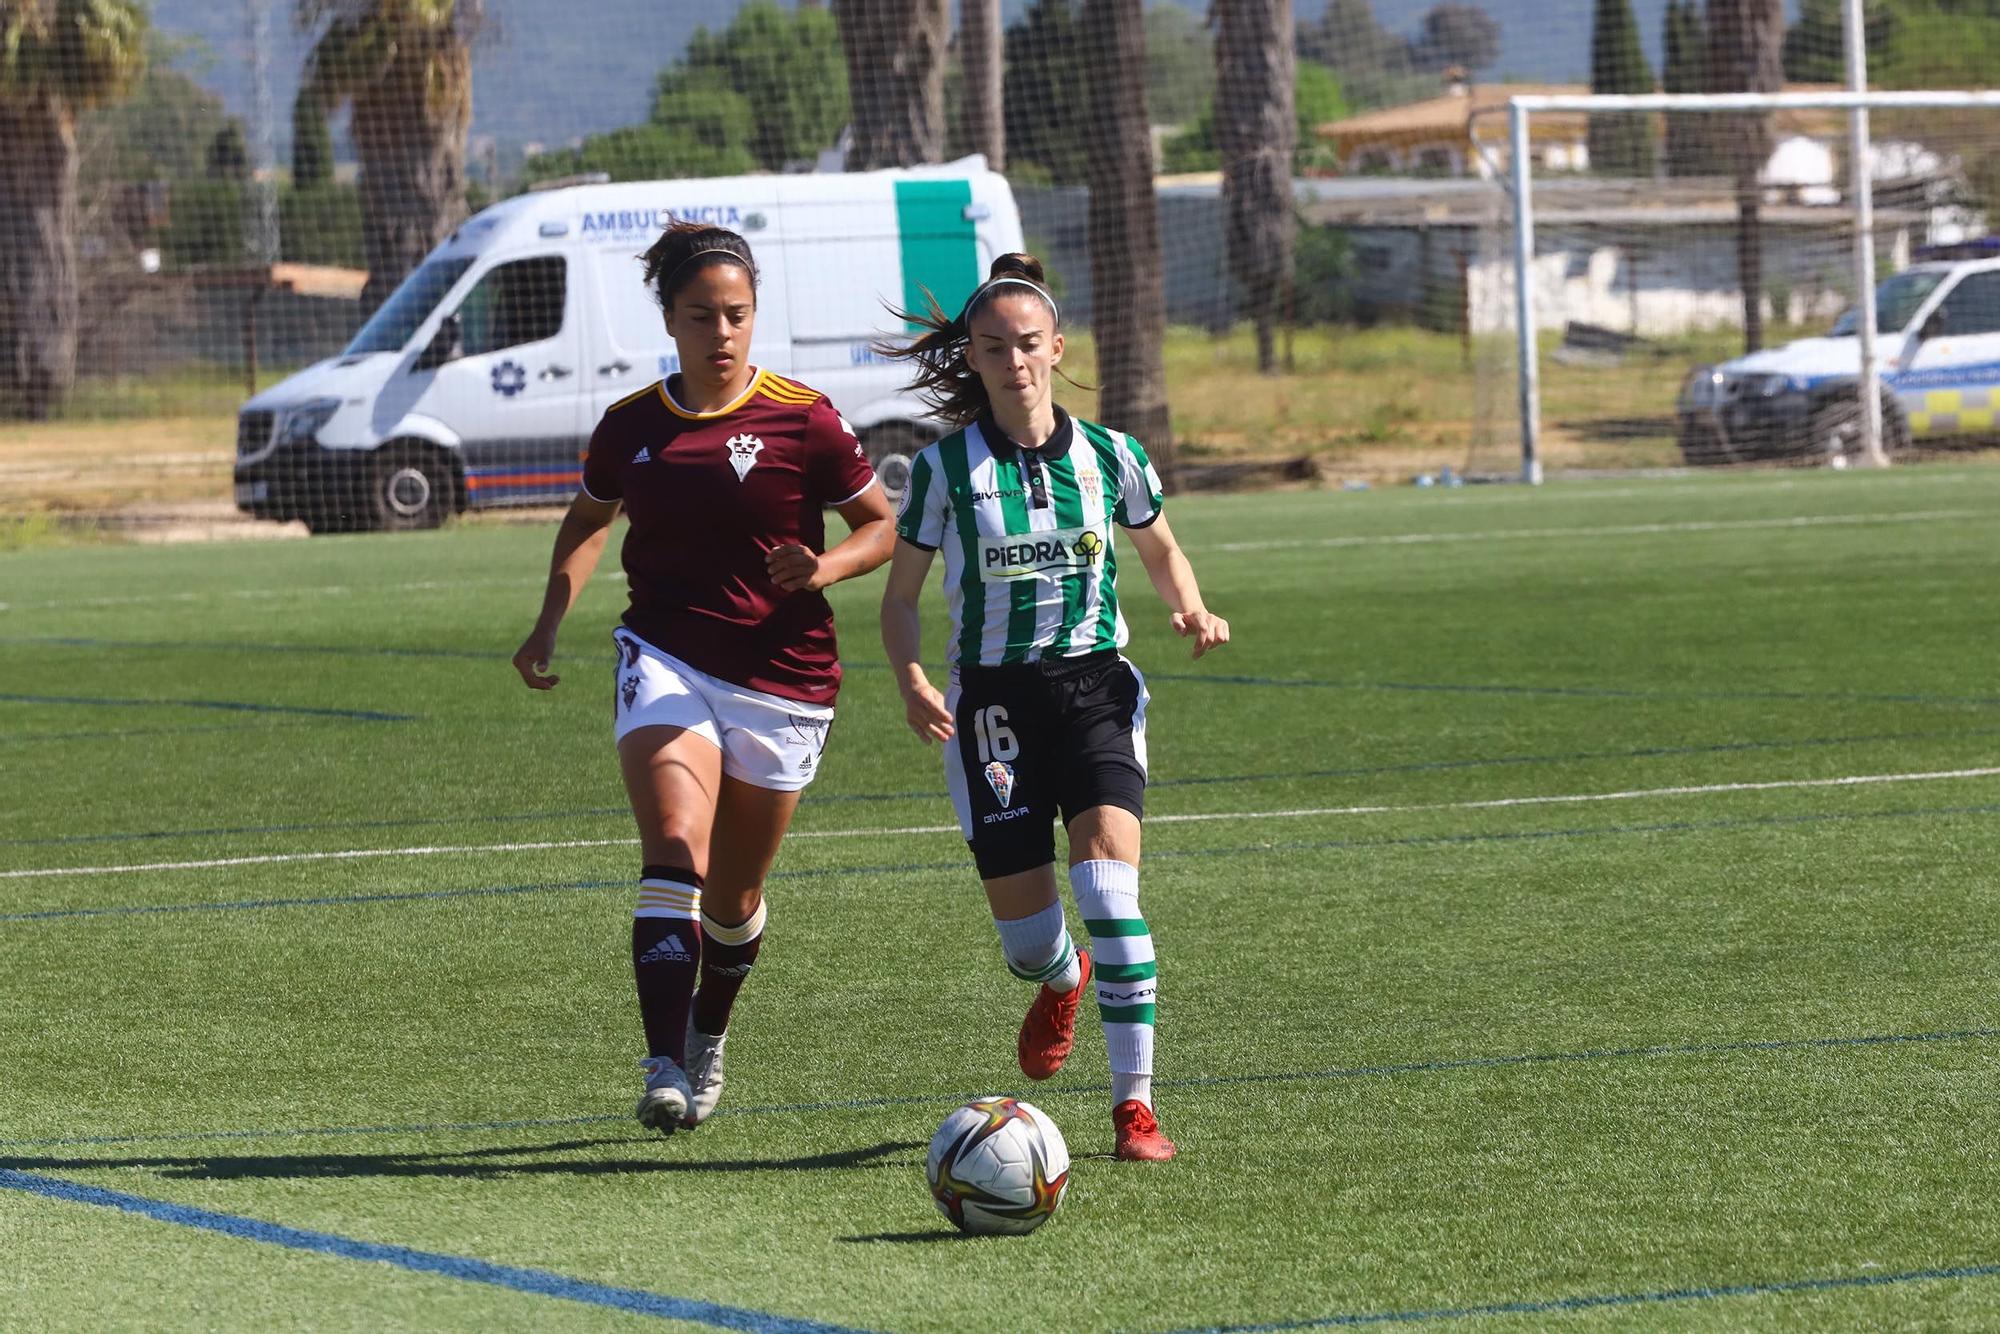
<point x="724" y="969"/>
<point x="666" y="955"/>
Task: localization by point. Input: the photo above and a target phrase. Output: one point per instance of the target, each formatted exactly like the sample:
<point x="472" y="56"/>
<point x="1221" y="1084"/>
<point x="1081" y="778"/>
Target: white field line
<point x="879" y="831"/>
<point x="1613" y="530"/>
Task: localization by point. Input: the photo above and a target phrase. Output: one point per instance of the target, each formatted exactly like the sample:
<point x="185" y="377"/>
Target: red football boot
<point x="1139" y="1137"/>
<point x="1049" y="1030"/>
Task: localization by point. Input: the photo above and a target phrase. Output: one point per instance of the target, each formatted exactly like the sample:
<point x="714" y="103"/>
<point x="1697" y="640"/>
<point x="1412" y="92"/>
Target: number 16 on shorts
<point x="998" y="749"/>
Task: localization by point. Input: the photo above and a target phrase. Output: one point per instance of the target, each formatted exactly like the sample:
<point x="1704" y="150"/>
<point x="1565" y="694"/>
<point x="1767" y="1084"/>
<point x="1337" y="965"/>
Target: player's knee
<point x="675" y="844"/>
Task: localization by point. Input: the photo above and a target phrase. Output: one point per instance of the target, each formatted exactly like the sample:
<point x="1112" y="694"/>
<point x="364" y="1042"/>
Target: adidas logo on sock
<point x="669" y="950"/>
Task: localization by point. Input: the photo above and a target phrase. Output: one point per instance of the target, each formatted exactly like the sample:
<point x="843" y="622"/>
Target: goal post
<point x="1857" y="211"/>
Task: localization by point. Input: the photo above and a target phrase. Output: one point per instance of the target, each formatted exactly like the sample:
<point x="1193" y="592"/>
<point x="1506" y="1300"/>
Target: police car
<point x="1938" y="349"/>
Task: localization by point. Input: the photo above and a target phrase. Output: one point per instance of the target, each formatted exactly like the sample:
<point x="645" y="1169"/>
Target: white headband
<point x="1030" y="284"/>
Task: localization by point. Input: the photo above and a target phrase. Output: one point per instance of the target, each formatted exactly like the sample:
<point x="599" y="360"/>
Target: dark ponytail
<point x="684" y="250"/>
<point x="944" y="378"/>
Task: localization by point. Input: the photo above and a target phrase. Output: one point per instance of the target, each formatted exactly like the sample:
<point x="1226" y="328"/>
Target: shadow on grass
<point x="907" y="1238"/>
<point x="472" y="1163"/>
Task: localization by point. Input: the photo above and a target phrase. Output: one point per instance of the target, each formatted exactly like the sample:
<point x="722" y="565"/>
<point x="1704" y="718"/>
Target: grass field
<point x="1575" y="910"/>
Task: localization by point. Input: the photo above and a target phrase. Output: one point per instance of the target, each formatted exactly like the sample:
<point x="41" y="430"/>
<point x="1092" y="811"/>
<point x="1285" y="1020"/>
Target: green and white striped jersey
<point x="1030" y="565"/>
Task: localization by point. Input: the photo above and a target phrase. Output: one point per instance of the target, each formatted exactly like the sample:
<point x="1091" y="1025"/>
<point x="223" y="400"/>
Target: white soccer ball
<point x="998" y="1165"/>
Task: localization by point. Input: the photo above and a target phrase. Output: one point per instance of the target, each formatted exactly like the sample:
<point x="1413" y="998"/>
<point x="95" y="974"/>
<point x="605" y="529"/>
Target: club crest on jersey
<point x="743" y="452"/>
<point x="1000" y="777"/>
<point x="1092" y="487"/>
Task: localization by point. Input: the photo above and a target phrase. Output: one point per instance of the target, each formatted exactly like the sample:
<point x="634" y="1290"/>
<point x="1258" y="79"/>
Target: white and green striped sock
<point x="1107" y="894"/>
<point x="1038" y="948"/>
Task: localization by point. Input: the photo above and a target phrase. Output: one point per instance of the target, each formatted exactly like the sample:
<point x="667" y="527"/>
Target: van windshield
<point x="389" y="329"/>
<point x="1896" y="301"/>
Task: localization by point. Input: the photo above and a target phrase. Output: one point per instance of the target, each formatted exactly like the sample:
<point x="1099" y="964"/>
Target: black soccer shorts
<point x="1037" y="739"/>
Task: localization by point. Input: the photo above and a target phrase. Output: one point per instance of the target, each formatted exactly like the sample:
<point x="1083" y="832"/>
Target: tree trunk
<point x="409" y="132"/>
<point x="979" y="56"/>
<point x="1746" y="55"/>
<point x="1125" y="261"/>
<point x="895" y="78"/>
<point x="38" y="273"/>
<point x="1256" y="131"/>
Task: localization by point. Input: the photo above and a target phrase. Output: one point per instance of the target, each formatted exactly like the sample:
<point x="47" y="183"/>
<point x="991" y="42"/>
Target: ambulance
<point x="478" y="382"/>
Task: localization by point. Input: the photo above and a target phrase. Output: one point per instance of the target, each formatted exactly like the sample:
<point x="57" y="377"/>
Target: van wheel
<point x="890" y="450"/>
<point x="408" y="488"/>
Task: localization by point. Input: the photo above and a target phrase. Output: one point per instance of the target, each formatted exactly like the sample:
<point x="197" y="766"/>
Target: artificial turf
<point x="1439" y="1038"/>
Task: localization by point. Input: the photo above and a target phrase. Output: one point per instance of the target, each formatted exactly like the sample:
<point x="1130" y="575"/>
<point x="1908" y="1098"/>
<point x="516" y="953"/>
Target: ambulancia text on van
<point x="478" y="382"/>
<point x="1938" y="344"/>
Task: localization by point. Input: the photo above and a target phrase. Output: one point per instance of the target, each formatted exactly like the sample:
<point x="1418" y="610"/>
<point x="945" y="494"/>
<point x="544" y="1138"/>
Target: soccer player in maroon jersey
<point x="726" y="669"/>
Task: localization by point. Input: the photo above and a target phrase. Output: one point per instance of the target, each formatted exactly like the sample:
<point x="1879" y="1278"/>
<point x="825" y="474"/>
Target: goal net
<point x="1696" y="300"/>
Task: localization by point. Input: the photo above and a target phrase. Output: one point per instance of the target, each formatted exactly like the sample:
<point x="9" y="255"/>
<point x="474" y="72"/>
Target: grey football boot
<point x="665" y="1102"/>
<point x="704" y="1070"/>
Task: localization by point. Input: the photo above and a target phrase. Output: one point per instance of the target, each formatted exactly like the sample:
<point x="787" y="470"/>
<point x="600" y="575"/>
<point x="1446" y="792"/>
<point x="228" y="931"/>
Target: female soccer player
<point x="726" y="668"/>
<point x="1043" y="714"/>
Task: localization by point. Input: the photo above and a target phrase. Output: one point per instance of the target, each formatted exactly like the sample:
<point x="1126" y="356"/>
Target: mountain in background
<point x="542" y="74"/>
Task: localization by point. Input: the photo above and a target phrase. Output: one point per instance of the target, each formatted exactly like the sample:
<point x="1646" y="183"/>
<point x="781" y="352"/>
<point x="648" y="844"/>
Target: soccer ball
<point x="998" y="1165"/>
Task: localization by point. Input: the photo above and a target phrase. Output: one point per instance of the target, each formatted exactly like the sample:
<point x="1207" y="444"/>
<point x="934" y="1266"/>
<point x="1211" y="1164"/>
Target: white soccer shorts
<point x="766" y="740"/>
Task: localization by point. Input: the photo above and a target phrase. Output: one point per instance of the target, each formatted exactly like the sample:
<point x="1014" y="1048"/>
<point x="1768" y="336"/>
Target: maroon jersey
<point x="709" y="493"/>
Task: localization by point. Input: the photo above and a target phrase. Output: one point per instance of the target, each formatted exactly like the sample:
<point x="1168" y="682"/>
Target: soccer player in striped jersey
<point x="726" y="667"/>
<point x="1042" y="715"/>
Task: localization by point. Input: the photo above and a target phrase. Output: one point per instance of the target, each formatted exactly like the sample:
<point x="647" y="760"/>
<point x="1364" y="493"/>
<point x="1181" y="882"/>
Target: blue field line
<point x="1442" y="1066"/>
<point x="1359" y="771"/>
<point x="538" y="1282"/>
<point x="228" y="705"/>
<point x="323" y="901"/>
<point x="1553" y="1305"/>
<point x="128" y="734"/>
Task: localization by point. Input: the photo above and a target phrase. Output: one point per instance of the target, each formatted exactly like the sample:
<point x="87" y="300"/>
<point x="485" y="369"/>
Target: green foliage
<point x="1816" y="45"/>
<point x="1621" y="143"/>
<point x="641" y="153"/>
<point x="322" y="225"/>
<point x="82" y="52"/>
<point x="1685" y="41"/>
<point x="1456" y="34"/>
<point x="1316" y="100"/>
<point x="1372" y="62"/>
<point x="1322" y="274"/>
<point x="785" y="64"/>
<point x="228" y="157"/>
<point x="205" y="224"/>
<point x="1043" y="88"/>
<point x="312" y="144"/>
<point x="1180" y="65"/>
<point x="160" y="132"/>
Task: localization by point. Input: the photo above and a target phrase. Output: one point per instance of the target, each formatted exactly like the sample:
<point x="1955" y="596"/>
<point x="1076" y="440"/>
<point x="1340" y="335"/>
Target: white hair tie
<point x="1028" y="283"/>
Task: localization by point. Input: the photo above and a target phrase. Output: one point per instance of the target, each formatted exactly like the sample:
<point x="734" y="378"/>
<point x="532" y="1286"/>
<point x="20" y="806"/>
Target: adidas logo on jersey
<point x="644" y="455"/>
<point x="669" y="950"/>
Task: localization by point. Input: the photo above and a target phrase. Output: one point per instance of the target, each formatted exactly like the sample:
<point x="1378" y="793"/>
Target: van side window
<point x="1973" y="307"/>
<point x="515" y="303"/>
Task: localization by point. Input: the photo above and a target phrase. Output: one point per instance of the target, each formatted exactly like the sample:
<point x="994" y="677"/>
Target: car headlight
<point x="299" y="423"/>
<point x="1702" y="388"/>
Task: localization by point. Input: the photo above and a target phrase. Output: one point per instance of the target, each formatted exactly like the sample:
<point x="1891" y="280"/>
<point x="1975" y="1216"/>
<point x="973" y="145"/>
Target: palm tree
<point x="57" y="58"/>
<point x="406" y="68"/>
<point x="1256" y="131"/>
<point x="1746" y="44"/>
<point x="979" y="55"/>
<point x="895" y="75"/>
<point x="1127" y="293"/>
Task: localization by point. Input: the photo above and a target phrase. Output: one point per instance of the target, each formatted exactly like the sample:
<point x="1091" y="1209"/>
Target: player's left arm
<point x="836" y="466"/>
<point x="1167" y="566"/>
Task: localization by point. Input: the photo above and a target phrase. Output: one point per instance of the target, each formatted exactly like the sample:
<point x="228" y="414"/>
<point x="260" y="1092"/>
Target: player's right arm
<point x="579" y="544"/>
<point x="903" y="638"/>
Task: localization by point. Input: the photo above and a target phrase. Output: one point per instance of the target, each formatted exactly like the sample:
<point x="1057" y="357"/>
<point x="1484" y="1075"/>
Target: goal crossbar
<point x="1857" y="104"/>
